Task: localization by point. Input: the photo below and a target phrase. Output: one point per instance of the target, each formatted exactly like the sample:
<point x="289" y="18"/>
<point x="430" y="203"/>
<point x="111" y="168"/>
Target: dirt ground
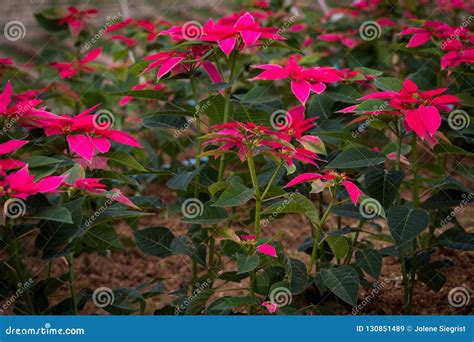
<point x="129" y="268"/>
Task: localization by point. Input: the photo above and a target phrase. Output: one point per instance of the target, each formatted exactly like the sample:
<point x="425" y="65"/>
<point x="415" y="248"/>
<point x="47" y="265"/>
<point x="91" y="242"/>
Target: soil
<point x="129" y="268"/>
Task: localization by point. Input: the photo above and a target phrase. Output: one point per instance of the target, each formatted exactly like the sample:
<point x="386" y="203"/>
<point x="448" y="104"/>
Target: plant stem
<point x="317" y="236"/>
<point x="270" y="182"/>
<point x="198" y="162"/>
<point x="414" y="156"/>
<point x="258" y="198"/>
<point x="72" y="282"/>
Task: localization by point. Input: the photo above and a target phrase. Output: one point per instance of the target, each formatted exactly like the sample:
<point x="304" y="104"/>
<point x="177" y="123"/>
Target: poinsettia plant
<point x="350" y="126"/>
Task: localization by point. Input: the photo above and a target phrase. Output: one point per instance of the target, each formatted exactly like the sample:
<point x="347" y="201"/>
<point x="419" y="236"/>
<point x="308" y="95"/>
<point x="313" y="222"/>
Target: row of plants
<point x="359" y="124"/>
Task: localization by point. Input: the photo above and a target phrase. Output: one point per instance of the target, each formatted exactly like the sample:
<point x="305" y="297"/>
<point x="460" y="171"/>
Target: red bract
<point x="93" y="186"/>
<point x="21" y="184"/>
<point x="85" y="135"/>
<point x="330" y="179"/>
<point x="234" y="32"/>
<point x="303" y="80"/>
<point x="69" y="69"/>
<point x="172" y="61"/>
<point x="256" y="139"/>
<point x="77" y="19"/>
<point x="296" y="125"/>
<point x="147" y="85"/>
<point x="420" y="108"/>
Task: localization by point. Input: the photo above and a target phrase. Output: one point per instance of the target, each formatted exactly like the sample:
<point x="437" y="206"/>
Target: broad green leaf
<point x="339" y="245"/>
<point x="155" y="241"/>
<point x="370" y="261"/>
<point x="343" y="281"/>
<point x="297" y="276"/>
<point x="383" y="184"/>
<point x="102" y="238"/>
<point x="126" y="160"/>
<point x="247" y="263"/>
<point x="207" y="215"/>
<point x="405" y="223"/>
<point x="229" y="303"/>
<point x="356" y="157"/>
<point x="165" y="121"/>
<point x="235" y="195"/>
<point x="457" y="238"/>
<point x="57" y="214"/>
<point x="388" y="83"/>
<point x="451" y="149"/>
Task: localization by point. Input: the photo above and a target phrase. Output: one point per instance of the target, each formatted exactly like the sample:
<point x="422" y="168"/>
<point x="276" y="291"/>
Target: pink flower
<point x="424" y="120"/>
<point x="267" y="250"/>
<point x="331" y="178"/>
<point x="271" y="307"/>
<point x="85" y="135"/>
<point x="21" y="184"/>
<point x="231" y="33"/>
<point x="69" y="69"/>
<point x="295" y="124"/>
<point x="11" y="146"/>
<point x="303" y="80"/>
<point x="147" y="85"/>
<point x="6" y="61"/>
<point x="93" y="186"/>
<point x="77" y="19"/>
<point x="346" y="38"/>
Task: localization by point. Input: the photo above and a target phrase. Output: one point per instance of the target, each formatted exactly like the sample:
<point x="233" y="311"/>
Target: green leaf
<point x="457" y="238"/>
<point x="155" y="241"/>
<point x="297" y="275"/>
<point x="229" y="303"/>
<point x="235" y="195"/>
<point x="383" y="184"/>
<point x="343" y="281"/>
<point x="370" y="261"/>
<point x="182" y="179"/>
<point x="102" y="238"/>
<point x="57" y="214"/>
<point x="447" y="199"/>
<point x="165" y="121"/>
<point x="356" y="157"/>
<point x="144" y="94"/>
<point x="213" y="107"/>
<point x="40" y="161"/>
<point x="405" y="223"/>
<point x="126" y="160"/>
<point x="388" y="83"/>
<point x="451" y="149"/>
<point x="345" y="93"/>
<point x="207" y="215"/>
<point x="339" y="245"/>
<point x="247" y="263"/>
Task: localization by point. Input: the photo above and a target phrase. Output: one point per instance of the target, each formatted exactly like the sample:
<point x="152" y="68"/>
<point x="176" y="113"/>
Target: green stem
<point x="198" y="164"/>
<point x="271" y="182"/>
<point x="72" y="282"/>
<point x="414" y="155"/>
<point x="258" y="197"/>
<point x="317" y="233"/>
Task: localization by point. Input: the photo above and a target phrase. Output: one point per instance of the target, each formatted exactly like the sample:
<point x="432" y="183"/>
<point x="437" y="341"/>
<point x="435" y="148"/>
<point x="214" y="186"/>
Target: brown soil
<point x="129" y="268"/>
